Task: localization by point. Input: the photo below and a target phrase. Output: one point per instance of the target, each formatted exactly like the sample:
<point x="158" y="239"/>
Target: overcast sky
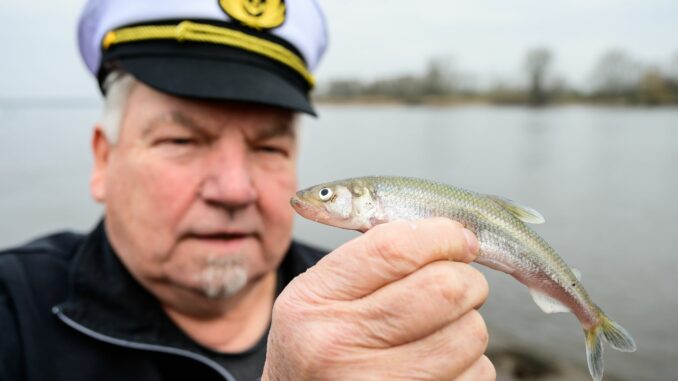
<point x="487" y="38"/>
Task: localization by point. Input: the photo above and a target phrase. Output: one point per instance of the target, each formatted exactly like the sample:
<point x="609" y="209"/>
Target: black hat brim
<point x="230" y="75"/>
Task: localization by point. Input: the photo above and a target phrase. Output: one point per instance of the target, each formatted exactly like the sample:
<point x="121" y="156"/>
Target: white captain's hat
<point x="259" y="51"/>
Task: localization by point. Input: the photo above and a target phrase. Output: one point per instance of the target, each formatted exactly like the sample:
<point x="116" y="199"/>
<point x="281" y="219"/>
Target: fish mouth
<point x="306" y="209"/>
<point x="296" y="202"/>
<point x="299" y="205"/>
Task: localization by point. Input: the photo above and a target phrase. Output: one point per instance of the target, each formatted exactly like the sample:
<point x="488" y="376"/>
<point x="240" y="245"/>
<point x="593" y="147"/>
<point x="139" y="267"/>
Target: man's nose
<point x="229" y="180"/>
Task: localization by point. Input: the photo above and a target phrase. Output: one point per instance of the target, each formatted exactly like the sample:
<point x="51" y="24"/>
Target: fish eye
<point x="325" y="194"/>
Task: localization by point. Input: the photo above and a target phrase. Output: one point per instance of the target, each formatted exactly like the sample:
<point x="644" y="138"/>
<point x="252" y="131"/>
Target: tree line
<point x="617" y="78"/>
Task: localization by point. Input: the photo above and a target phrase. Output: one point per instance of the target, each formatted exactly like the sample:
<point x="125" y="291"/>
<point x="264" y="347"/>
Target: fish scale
<point x="476" y="212"/>
<point x="506" y="243"/>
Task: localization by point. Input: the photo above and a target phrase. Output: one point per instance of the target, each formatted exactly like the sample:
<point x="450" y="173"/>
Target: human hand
<point x="397" y="303"/>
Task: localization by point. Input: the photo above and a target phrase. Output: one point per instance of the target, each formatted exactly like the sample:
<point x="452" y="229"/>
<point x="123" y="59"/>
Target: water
<point x="606" y="180"/>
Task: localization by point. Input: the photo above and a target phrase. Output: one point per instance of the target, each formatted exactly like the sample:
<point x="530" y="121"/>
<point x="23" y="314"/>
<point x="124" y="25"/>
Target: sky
<point x="487" y="39"/>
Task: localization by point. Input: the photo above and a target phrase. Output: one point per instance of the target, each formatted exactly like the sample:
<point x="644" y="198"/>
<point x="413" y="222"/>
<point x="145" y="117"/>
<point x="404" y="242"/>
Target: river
<point x="606" y="179"/>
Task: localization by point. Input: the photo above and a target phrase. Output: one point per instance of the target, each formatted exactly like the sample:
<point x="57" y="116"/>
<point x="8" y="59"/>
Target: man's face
<point x="196" y="193"/>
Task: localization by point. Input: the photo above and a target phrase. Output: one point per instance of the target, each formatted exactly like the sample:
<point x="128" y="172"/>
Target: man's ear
<point x="101" y="149"/>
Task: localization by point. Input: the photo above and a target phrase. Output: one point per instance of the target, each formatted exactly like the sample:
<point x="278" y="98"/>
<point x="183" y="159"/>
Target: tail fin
<point x="617" y="336"/>
<point x="614" y="334"/>
<point x="594" y="352"/>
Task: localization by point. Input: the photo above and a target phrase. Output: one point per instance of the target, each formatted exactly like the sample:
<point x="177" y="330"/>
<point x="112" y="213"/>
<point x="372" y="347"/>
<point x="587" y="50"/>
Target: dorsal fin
<point x="522" y="212"/>
<point x="576" y="273"/>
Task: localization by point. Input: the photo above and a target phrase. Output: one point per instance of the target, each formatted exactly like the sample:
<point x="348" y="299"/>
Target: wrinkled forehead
<point x="149" y="109"/>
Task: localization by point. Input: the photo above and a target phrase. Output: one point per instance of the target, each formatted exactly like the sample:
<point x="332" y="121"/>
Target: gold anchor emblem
<point x="259" y="14"/>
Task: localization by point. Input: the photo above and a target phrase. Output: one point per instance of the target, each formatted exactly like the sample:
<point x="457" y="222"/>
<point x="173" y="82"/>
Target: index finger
<point x="387" y="253"/>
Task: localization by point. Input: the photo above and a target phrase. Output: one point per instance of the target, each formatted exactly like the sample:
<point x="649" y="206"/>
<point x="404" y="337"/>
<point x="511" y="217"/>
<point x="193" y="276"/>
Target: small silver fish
<point x="506" y="243"/>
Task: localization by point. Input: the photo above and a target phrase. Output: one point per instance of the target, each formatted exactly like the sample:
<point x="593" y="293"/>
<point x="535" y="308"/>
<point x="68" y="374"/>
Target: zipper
<point x="142" y="346"/>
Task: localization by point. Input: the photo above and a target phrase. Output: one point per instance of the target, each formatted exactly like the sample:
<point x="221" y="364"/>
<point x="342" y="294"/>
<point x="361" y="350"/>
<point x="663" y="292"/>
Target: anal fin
<point x="548" y="304"/>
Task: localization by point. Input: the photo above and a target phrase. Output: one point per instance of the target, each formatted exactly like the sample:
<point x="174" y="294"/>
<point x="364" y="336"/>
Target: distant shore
<point x="474" y="101"/>
<point x="617" y="79"/>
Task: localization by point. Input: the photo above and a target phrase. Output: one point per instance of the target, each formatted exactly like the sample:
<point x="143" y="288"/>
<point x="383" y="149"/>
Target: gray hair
<point x="117" y="87"/>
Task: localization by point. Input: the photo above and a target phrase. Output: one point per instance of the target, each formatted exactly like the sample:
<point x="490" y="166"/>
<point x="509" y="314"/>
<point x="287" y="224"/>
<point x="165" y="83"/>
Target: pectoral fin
<point x="547" y="303"/>
<point x="522" y="212"/>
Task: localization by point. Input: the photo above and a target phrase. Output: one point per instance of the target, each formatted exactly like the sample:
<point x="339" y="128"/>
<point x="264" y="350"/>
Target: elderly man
<point x="192" y="272"/>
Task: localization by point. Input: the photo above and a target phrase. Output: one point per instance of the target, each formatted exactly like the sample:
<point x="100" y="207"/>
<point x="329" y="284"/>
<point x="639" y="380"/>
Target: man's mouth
<point x="222" y="240"/>
<point x="221" y="236"/>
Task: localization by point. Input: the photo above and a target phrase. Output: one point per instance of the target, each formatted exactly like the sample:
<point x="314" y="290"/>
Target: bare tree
<point x="343" y="88"/>
<point x="673" y="67"/>
<point x="652" y="87"/>
<point x="538" y="63"/>
<point x="617" y="74"/>
<point x="439" y="77"/>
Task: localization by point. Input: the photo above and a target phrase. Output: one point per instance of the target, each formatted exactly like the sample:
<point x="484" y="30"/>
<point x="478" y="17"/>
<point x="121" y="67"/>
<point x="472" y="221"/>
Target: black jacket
<point x="69" y="310"/>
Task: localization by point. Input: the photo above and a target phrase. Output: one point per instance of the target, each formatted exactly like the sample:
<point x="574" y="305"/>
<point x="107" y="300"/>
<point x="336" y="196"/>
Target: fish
<point x="507" y="244"/>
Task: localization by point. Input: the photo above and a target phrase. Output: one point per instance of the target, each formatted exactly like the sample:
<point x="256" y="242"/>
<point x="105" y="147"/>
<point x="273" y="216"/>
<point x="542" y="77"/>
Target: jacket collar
<point x="105" y="298"/>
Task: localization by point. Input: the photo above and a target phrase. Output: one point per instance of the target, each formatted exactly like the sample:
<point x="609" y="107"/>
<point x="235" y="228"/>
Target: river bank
<point x="461" y="101"/>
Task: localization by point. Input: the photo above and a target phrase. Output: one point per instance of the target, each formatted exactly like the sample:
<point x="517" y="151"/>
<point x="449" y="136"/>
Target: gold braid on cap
<point x="190" y="31"/>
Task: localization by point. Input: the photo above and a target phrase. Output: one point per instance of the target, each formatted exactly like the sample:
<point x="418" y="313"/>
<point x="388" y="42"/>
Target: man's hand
<point x="397" y="303"/>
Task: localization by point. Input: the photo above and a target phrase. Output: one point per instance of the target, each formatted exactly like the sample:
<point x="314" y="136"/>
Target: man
<point x="192" y="273"/>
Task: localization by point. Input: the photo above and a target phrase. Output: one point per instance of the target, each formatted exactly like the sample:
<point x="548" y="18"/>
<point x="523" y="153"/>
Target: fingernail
<point x="472" y="241"/>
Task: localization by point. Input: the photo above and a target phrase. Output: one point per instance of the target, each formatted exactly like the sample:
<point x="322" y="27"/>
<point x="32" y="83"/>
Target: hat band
<point x="191" y="31"/>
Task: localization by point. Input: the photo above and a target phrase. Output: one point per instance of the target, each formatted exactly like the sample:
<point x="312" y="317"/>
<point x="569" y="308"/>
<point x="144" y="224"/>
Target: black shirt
<point x="69" y="310"/>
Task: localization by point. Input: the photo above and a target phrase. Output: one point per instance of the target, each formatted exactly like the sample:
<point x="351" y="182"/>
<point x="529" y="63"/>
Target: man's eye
<point x="178" y="141"/>
<point x="273" y="150"/>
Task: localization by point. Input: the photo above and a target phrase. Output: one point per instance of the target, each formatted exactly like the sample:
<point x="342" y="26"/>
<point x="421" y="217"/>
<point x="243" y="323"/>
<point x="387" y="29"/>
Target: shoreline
<point x="462" y="102"/>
